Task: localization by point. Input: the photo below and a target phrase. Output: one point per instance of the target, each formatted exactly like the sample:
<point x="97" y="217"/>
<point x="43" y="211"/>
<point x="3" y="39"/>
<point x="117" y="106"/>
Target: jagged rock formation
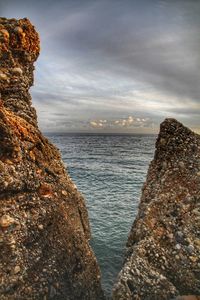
<point x="44" y="249"/>
<point x="163" y="249"/>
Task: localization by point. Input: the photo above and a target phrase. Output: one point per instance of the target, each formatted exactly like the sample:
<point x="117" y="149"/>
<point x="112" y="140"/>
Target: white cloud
<point x="129" y="122"/>
<point x="133" y="122"/>
<point x="96" y="124"/>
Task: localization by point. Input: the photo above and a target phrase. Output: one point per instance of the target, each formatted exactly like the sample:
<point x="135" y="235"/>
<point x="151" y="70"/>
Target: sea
<point x="109" y="170"/>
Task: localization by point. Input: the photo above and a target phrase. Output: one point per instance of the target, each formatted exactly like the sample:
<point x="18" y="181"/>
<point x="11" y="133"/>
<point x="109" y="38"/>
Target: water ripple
<point x="109" y="171"/>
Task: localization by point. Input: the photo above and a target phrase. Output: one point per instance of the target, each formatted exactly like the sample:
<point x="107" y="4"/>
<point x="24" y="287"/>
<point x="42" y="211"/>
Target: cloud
<point x="129" y="122"/>
<point x="109" y="59"/>
<point x="96" y="124"/>
<point x="133" y="122"/>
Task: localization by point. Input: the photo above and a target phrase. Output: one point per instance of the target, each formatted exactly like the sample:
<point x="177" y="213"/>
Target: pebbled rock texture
<point x="163" y="248"/>
<point x="44" y="227"/>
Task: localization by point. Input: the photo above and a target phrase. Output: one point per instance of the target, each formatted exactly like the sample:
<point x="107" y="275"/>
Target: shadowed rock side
<point x="163" y="249"/>
<point x="44" y="250"/>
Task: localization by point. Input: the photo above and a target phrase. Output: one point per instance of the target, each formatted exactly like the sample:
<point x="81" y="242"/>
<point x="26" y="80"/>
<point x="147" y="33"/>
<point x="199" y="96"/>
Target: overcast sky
<point x="114" y="65"/>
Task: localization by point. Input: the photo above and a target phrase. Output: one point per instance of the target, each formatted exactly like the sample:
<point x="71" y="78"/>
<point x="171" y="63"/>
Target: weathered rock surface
<point x="44" y="249"/>
<point x="163" y="249"/>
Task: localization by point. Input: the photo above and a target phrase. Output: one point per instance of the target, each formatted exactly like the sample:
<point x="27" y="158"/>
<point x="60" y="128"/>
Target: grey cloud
<point x="165" y="57"/>
<point x="126" y="45"/>
<point x="96" y="56"/>
<point x="186" y="111"/>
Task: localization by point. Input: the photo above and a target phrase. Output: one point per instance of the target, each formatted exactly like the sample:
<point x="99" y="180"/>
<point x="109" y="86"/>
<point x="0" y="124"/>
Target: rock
<point x="188" y="297"/>
<point x="17" y="71"/>
<point x="6" y="221"/>
<point x="178" y="246"/>
<point x="5" y="34"/>
<point x="40" y="226"/>
<point x="18" y="30"/>
<point x="171" y="236"/>
<point x="43" y="218"/>
<point x="166" y="255"/>
<point x="17" y="269"/>
<point x="190" y="249"/>
<point x="180" y="234"/>
<point x="52" y="292"/>
<point x="3" y="77"/>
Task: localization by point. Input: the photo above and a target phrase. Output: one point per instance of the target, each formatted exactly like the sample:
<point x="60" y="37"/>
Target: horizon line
<point x="96" y="133"/>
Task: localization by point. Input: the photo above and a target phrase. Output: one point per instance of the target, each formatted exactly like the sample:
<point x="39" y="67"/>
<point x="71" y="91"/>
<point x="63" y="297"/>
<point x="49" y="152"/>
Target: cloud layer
<point x="108" y="60"/>
<point x="128" y="123"/>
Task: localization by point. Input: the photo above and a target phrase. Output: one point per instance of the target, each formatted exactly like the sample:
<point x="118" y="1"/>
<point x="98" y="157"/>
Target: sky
<point x="114" y="65"/>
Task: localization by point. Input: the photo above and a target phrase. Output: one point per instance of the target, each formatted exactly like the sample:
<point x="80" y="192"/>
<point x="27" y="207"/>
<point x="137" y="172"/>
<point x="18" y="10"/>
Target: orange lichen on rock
<point x="19" y="48"/>
<point x="19" y="35"/>
<point x="45" y="190"/>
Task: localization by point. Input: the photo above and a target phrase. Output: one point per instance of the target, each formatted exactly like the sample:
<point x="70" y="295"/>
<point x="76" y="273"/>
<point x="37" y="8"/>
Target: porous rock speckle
<point x="163" y="248"/>
<point x="44" y="228"/>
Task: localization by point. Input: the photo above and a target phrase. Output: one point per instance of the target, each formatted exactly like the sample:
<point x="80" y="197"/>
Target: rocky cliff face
<point x="44" y="249"/>
<point x="163" y="249"/>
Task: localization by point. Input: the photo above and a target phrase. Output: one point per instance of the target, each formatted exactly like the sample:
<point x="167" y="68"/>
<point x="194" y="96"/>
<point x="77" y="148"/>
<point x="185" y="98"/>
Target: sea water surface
<point x="109" y="170"/>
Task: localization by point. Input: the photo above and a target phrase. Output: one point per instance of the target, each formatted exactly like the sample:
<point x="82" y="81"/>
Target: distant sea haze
<point x="109" y="170"/>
